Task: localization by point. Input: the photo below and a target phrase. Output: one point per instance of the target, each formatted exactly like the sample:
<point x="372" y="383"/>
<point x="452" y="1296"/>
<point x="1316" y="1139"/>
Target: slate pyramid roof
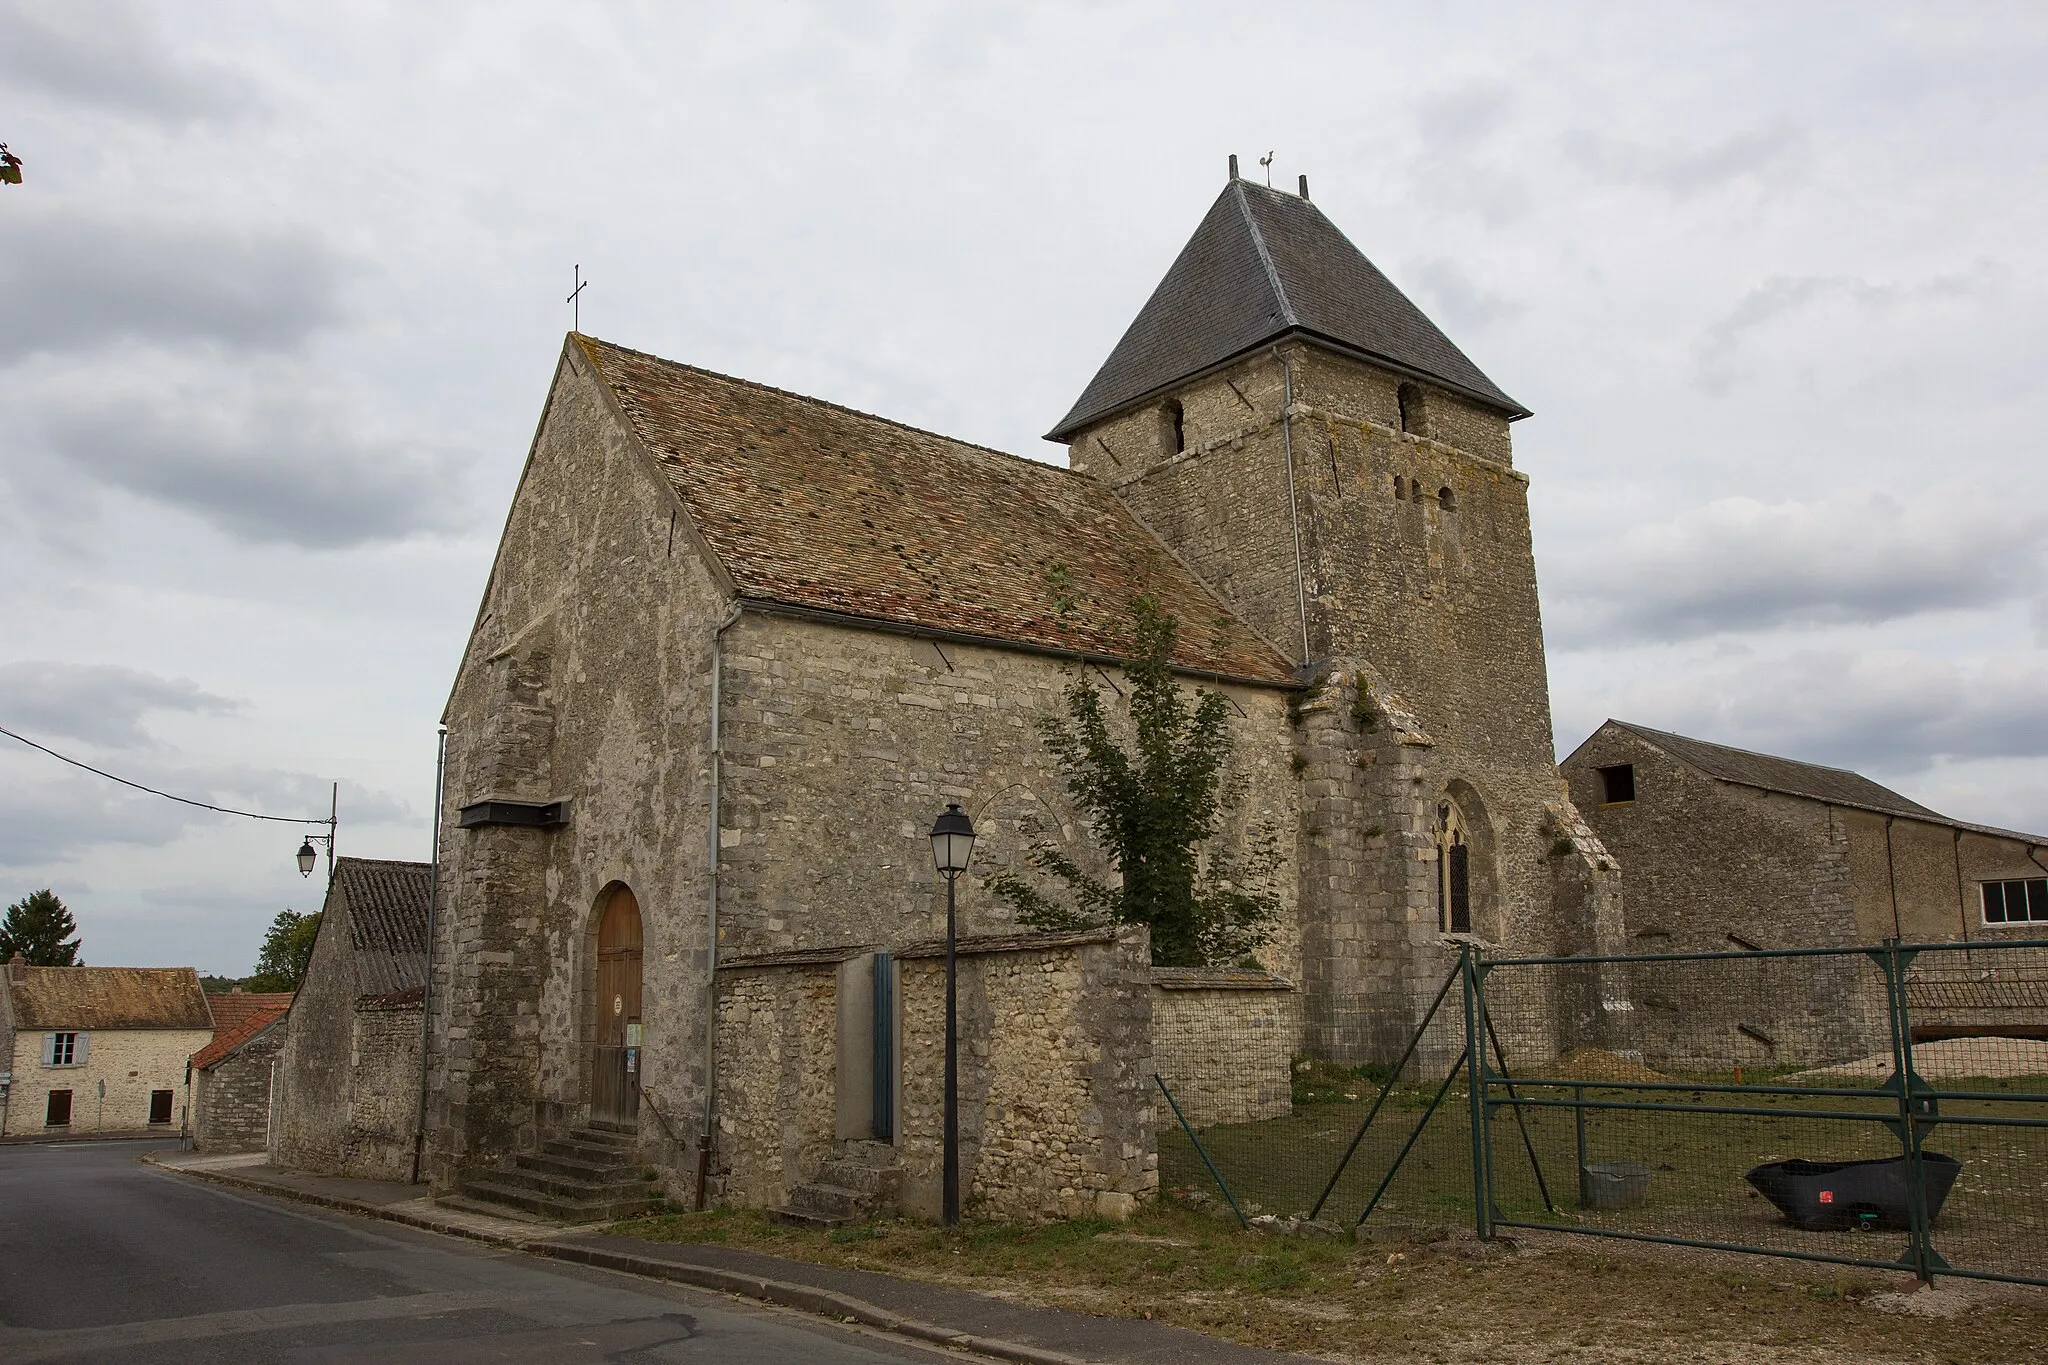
<point x="1265" y="264"/>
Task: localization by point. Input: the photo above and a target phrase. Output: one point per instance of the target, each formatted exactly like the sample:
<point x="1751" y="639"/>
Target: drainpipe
<point x="1962" y="903"/>
<point x="419" y="1132"/>
<point x="1892" y="877"/>
<point x="1293" y="505"/>
<point x="711" y="912"/>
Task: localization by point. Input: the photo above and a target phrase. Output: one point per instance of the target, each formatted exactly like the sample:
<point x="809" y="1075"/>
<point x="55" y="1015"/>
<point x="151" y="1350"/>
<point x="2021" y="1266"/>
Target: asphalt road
<point x="105" y="1259"/>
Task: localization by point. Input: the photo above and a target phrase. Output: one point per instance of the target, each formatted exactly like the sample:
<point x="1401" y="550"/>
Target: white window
<point x="2016" y="902"/>
<point x="64" y="1049"/>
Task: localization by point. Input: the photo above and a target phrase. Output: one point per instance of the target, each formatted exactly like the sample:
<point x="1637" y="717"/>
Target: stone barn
<point x="347" y="1101"/>
<point x="1731" y="851"/>
<point x="740" y="646"/>
<point x="232" y="1078"/>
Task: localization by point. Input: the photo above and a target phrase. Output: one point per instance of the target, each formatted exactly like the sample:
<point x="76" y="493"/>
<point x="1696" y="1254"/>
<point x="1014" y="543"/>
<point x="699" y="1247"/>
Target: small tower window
<point x="1409" y="396"/>
<point x="1618" y="783"/>
<point x="1453" y="872"/>
<point x="1400" y="488"/>
<point x="1446" y="499"/>
<point x="1177" y="425"/>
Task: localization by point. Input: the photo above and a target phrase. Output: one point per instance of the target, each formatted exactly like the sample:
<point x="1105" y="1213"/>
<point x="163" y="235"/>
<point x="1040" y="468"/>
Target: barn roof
<point x="1790" y="777"/>
<point x="387" y="904"/>
<point x="1265" y="265"/>
<point x="814" y="506"/>
<point x="107" y="998"/>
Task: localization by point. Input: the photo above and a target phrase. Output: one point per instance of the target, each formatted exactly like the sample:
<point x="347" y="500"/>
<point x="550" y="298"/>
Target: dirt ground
<point x="1539" y="1297"/>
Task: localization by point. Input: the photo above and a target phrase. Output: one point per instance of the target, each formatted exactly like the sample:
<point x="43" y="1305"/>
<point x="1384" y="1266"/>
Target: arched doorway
<point x="614" y="1073"/>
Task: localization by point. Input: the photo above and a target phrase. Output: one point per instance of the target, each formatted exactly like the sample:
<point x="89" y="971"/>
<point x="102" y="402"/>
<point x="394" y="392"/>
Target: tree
<point x="1154" y="809"/>
<point x="287" y="948"/>
<point x="38" y="926"/>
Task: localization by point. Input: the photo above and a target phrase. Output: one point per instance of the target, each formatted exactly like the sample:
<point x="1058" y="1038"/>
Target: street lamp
<point x="952" y="846"/>
<point x="307" y="855"/>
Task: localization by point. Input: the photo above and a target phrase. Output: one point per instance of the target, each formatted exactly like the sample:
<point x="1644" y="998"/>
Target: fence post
<point x="1475" y="1056"/>
<point x="1920" y="1252"/>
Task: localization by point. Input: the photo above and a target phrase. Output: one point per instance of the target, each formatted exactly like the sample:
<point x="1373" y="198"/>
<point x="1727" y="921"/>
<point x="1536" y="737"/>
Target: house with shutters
<point x="739" y="647"/>
<point x="98" y="1049"/>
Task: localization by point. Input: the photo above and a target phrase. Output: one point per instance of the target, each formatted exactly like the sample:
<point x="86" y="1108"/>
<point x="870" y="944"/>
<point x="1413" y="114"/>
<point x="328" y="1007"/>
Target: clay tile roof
<point x="238" y="1022"/>
<point x="1835" y="786"/>
<point x="107" y="998"/>
<point x="815" y="506"/>
<point x="387" y="920"/>
<point x="1265" y="265"/>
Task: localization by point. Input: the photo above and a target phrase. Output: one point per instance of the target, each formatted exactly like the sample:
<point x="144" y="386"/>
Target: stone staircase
<point x="591" y="1175"/>
<point x="858" y="1182"/>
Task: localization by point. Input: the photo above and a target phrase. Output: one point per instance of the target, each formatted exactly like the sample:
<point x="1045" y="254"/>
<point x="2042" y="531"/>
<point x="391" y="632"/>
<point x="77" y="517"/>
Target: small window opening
<point x="159" y="1106"/>
<point x="1409" y="396"/>
<point x="2016" y="902"/>
<point x="1446" y="499"/>
<point x="1400" y="488"/>
<point x="1454" y="872"/>
<point x="57" y="1111"/>
<point x="1618" y="783"/>
<point x="1177" y="418"/>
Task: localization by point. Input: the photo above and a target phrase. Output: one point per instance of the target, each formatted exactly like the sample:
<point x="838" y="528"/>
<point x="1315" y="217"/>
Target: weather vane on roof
<point x="1267" y="162"/>
<point x="575" y="299"/>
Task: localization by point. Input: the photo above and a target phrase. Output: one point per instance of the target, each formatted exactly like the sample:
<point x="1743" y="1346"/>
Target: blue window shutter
<point x="78" y="1054"/>
<point x="49" y="1049"/>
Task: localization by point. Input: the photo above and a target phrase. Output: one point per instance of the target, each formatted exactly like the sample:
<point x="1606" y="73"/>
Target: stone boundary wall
<point x="1056" y="1104"/>
<point x="1223" y="1042"/>
<point x="384" y="1090"/>
<point x="231" y="1098"/>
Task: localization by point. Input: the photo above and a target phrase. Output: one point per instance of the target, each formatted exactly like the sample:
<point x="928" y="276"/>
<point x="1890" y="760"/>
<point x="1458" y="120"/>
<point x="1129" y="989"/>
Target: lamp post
<point x="952" y="846"/>
<point x="307" y="856"/>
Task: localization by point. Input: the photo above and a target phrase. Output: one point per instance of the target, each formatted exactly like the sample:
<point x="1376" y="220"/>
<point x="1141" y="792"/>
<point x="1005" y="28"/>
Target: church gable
<point x="809" y="505"/>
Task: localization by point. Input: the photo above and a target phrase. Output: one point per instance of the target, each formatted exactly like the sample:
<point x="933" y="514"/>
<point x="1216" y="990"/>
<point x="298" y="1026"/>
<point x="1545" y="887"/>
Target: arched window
<point x="1176" y="425"/>
<point x="1446" y="499"/>
<point x="1453" y="871"/>
<point x="1400" y="488"/>
<point x="1409" y="396"/>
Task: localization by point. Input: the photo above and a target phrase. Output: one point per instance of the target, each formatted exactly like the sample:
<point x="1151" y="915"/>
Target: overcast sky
<point x="282" y="292"/>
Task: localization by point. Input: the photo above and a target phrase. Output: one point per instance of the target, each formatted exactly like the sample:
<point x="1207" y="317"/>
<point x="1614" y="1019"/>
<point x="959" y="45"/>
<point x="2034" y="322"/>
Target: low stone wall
<point x="1223" y="1042"/>
<point x="1057" y="1111"/>
<point x="231" y="1098"/>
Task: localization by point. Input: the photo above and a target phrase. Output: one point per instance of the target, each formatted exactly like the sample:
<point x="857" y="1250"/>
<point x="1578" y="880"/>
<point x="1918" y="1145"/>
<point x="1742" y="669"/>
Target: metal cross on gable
<point x="575" y="299"/>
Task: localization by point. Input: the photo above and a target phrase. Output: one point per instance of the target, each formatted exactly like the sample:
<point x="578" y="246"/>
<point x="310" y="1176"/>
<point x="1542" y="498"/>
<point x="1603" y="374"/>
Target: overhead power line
<point x="181" y="800"/>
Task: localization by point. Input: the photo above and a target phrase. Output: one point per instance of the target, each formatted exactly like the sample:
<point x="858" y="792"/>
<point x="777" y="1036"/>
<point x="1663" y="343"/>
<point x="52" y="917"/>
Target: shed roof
<point x="107" y="998"/>
<point x="1265" y="265"/>
<point x="1790" y="777"/>
<point x="387" y="905"/>
<point x="818" y="507"/>
<point x="239" y="1022"/>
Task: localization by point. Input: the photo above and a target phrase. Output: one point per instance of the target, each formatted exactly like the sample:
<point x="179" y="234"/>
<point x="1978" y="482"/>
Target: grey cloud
<point x="1892" y="711"/>
<point x="1717" y="353"/>
<point x="1775" y="155"/>
<point x="1457" y="300"/>
<point x="113" y="56"/>
<point x="102" y="704"/>
<point x="55" y="814"/>
<point x="75" y="282"/>
<point x="264" y="451"/>
<point x="1457" y="118"/>
<point x="1740" y="564"/>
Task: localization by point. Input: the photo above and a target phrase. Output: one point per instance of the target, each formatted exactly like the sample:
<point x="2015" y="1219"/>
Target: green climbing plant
<point x="1153" y="804"/>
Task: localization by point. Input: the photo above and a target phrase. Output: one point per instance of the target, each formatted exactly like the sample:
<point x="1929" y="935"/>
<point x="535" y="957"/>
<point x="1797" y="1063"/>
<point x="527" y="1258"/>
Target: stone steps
<point x="859" y="1181"/>
<point x="589" y="1175"/>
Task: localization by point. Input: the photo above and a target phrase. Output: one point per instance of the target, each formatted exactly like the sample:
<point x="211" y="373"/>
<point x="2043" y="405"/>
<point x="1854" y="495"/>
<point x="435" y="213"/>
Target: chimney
<point x="1304" y="187"/>
<point x="1233" y="165"/>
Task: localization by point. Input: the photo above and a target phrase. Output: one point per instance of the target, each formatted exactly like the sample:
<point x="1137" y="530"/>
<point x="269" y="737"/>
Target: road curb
<point x="823" y="1303"/>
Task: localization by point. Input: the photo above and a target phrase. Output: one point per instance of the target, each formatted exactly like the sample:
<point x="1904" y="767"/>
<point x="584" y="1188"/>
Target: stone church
<point x="740" y="646"/>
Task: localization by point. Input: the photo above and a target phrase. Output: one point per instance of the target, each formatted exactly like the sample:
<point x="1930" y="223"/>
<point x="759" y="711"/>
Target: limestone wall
<point x="384" y="1064"/>
<point x="1055" y="1075"/>
<point x="231" y="1098"/>
<point x="131" y="1063"/>
<point x="1223" y="1042"/>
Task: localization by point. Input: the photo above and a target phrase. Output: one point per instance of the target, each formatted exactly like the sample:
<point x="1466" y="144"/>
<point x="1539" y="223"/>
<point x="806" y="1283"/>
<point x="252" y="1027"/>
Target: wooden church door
<point x="615" y="1069"/>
